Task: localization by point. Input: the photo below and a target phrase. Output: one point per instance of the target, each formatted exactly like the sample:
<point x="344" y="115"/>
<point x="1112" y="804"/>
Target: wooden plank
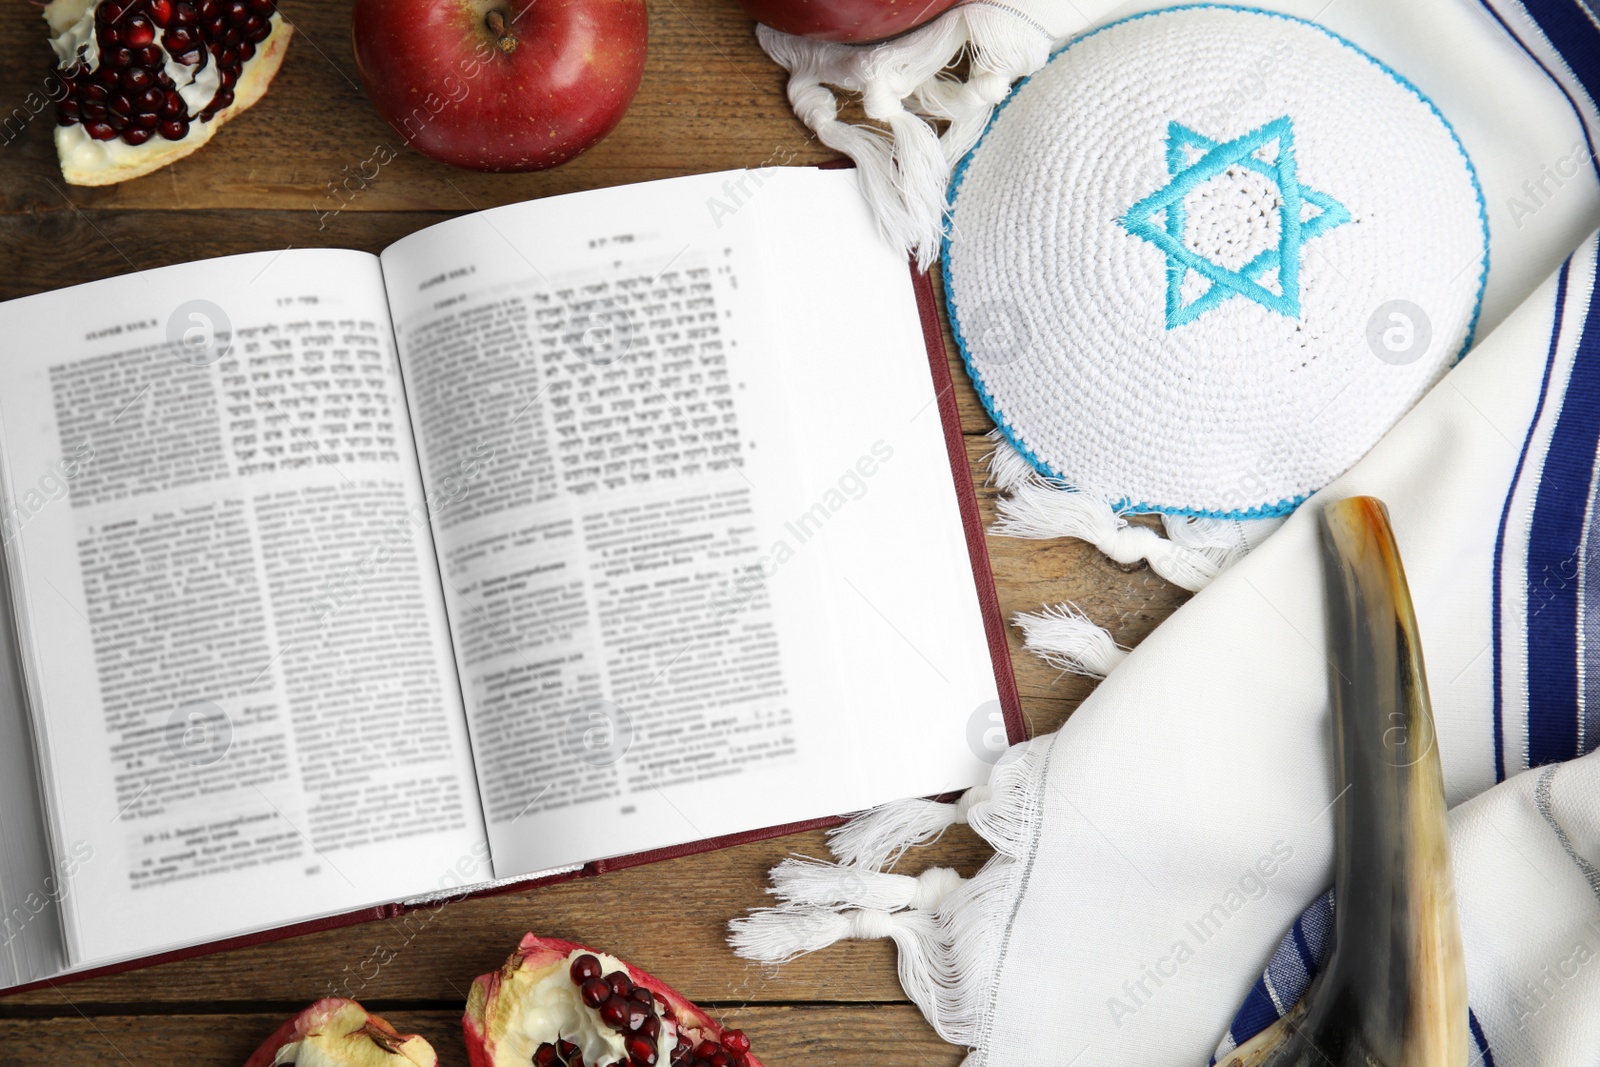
<point x="710" y="100"/>
<point x="784" y="1036"/>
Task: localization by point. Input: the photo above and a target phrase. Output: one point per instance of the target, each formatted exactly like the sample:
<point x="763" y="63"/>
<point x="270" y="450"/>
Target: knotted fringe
<point x="1194" y="552"/>
<point x="1064" y="637"/>
<point x="948" y="930"/>
<point x="905" y="167"/>
<point x="876" y="839"/>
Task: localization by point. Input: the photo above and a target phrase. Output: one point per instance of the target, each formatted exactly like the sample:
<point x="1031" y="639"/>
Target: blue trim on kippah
<point x="1263" y="511"/>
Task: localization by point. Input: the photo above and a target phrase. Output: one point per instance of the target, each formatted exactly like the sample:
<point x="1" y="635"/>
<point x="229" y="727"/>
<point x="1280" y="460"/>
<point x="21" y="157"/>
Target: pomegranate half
<point x="559" y="1004"/>
<point x="139" y="84"/>
<point x="339" y="1033"/>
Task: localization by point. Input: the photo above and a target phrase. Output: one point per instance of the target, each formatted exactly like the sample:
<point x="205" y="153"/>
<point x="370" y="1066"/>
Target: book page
<point x="233" y="635"/>
<point x="714" y="577"/>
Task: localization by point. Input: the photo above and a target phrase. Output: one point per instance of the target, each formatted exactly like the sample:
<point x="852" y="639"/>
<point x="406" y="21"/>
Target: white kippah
<point x="1202" y="260"/>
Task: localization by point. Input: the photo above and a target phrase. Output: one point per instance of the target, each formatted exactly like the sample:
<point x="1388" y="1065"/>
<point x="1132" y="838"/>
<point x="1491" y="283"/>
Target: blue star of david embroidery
<point x="1193" y="159"/>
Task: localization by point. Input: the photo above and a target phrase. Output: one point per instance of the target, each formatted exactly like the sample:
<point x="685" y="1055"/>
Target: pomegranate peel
<point x="560" y="1004"/>
<point x="144" y="83"/>
<point x="339" y="1033"/>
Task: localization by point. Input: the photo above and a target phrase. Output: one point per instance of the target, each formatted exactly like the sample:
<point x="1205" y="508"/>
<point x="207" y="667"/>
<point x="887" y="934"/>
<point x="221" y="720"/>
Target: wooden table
<point x="710" y="100"/>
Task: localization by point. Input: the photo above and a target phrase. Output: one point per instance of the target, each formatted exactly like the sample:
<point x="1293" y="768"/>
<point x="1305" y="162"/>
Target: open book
<point x="583" y="528"/>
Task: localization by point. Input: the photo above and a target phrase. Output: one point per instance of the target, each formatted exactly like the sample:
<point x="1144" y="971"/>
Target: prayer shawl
<point x="1159" y="890"/>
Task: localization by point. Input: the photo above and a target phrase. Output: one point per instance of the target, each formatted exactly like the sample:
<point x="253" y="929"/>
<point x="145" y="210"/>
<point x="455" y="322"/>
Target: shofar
<point x="1393" y="992"/>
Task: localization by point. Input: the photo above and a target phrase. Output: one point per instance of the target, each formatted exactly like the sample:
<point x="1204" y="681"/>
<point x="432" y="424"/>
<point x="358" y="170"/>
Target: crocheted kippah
<point x="1207" y="256"/>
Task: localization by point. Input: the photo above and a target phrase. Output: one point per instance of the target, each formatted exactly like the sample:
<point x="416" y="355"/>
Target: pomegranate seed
<point x="705" y="1050"/>
<point x="263" y="7"/>
<point x="137" y="135"/>
<point x="232" y="38"/>
<point x="209" y="9"/>
<point x="641" y="1050"/>
<point x="94" y="112"/>
<point x="138" y="32"/>
<point x="651" y="1027"/>
<point x="735" y="1041"/>
<point x="108" y="77"/>
<point x="117" y="122"/>
<point x="94" y="94"/>
<point x="120" y="57"/>
<point x="545" y="1055"/>
<point x="584" y="968"/>
<point x="614" y="1012"/>
<point x="184" y="14"/>
<point x="595" y="992"/>
<point x="237" y="11"/>
<point x="637" y="1014"/>
<point x="222" y="100"/>
<point x="161" y="12"/>
<point x="110" y="36"/>
<point x="147" y="122"/>
<point x="566" y="1049"/>
<point x="172" y="106"/>
<point x="215" y="26"/>
<point x="175" y="129"/>
<point x="721" y="1059"/>
<point x="228" y="59"/>
<point x="100" y="131"/>
<point x="137" y="79"/>
<point x="247" y="51"/>
<point x="121" y="105"/>
<point x="150" y="56"/>
<point x="180" y="39"/>
<point x="67" y="112"/>
<point x="620" y="983"/>
<point x="259" y="34"/>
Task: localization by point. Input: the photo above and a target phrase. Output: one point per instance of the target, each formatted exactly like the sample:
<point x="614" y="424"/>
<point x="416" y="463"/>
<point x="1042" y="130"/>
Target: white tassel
<point x="904" y="170"/>
<point x="876" y="838"/>
<point x="803" y="881"/>
<point x="949" y="931"/>
<point x="1009" y="468"/>
<point x="1043" y="510"/>
<point x="1064" y="637"/>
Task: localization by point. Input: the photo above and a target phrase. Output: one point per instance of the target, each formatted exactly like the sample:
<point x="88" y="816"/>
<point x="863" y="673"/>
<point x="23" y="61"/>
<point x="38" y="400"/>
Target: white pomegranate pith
<point x="142" y="83"/>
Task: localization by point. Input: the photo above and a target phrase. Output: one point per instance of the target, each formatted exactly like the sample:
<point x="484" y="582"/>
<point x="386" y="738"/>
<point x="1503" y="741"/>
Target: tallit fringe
<point x="1038" y="507"/>
<point x="1064" y="637"/>
<point x="949" y="930"/>
<point x="904" y="169"/>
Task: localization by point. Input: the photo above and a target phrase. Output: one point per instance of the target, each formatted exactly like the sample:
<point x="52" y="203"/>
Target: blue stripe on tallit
<point x="1289" y="973"/>
<point x="1555" y="546"/>
<point x="1572" y="33"/>
<point x="1485" y="1057"/>
<point x="1583" y="122"/>
<point x="1505" y="513"/>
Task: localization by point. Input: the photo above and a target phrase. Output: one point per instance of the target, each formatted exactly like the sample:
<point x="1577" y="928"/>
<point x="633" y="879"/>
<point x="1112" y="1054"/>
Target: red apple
<point x="846" y="21"/>
<point x="501" y="84"/>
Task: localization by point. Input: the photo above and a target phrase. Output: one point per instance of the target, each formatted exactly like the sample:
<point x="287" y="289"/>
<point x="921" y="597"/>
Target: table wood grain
<point x="279" y="177"/>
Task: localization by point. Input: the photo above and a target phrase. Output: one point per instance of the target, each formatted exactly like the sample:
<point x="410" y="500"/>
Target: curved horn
<point x="1393" y="991"/>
